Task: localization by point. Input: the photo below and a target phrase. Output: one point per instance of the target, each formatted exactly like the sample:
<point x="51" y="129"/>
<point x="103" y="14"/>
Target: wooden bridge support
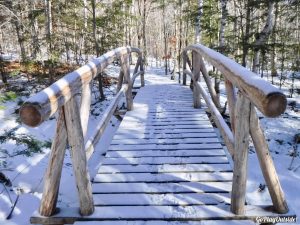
<point x="126" y="71"/>
<point x="76" y="142"/>
<point x="266" y="164"/>
<point x="196" y="78"/>
<point x="53" y="172"/>
<point x="242" y="118"/>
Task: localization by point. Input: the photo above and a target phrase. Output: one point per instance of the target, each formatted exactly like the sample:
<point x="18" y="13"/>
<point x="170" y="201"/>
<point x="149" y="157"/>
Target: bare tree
<point x="198" y="22"/>
<point x="262" y="37"/>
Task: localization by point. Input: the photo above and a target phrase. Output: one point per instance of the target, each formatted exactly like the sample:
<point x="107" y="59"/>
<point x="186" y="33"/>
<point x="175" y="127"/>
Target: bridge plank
<point x="161" y="199"/>
<point x="160" y="131"/>
<point x="165" y="168"/>
<point x="165" y="127"/>
<point x="165" y="160"/>
<point x="170" y="187"/>
<point x="166" y="123"/>
<point x="166" y="153"/>
<point x="165" y="141"/>
<point x="163" y="177"/>
<point x="126" y="136"/>
<point x="210" y="144"/>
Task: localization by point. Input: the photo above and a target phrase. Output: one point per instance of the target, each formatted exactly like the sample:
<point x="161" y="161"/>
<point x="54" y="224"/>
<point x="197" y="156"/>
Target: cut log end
<point x="30" y="115"/>
<point x="275" y="105"/>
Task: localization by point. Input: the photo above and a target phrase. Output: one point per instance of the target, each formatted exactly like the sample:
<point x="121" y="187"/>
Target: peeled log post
<point x="139" y="64"/>
<point x="266" y="164"/>
<point x="231" y="99"/>
<point x="76" y="142"/>
<point x="54" y="169"/>
<point x="211" y="90"/>
<point x="127" y="80"/>
<point x="196" y="78"/>
<point x="241" y="144"/>
<point x="85" y="107"/>
<point x="184" y="68"/>
<point x="143" y="74"/>
<point x="120" y="80"/>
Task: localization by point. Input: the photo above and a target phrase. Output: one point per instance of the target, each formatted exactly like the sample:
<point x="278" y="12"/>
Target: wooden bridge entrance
<point x="165" y="164"/>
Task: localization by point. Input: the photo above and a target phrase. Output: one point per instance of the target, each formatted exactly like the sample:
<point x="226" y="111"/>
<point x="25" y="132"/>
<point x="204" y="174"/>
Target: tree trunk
<point x="273" y="49"/>
<point x="263" y="36"/>
<point x="48" y="11"/>
<point x="198" y="22"/>
<point x="97" y="48"/>
<point x="2" y="71"/>
<point x="173" y="76"/>
<point x="221" y="43"/>
<point x="100" y="87"/>
<point x="179" y="40"/>
<point x="20" y="39"/>
<point x="144" y="32"/>
<point x="222" y="25"/>
<point x="34" y="29"/>
<point x="246" y="34"/>
<point x="165" y="38"/>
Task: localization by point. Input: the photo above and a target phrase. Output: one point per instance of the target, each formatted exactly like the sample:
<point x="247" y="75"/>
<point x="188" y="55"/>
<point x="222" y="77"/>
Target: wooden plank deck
<point x="165" y="165"/>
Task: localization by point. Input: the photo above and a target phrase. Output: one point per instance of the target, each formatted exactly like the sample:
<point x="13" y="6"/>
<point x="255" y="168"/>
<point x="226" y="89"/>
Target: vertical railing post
<point x="120" y="80"/>
<point x="209" y="85"/>
<point x="54" y="169"/>
<point x="85" y="107"/>
<point x="126" y="70"/>
<point x="76" y="142"/>
<point x="140" y="65"/>
<point x="184" y="67"/>
<point x="266" y="164"/>
<point x="241" y="144"/>
<point x="231" y="100"/>
<point x="196" y="78"/>
<point x="143" y="74"/>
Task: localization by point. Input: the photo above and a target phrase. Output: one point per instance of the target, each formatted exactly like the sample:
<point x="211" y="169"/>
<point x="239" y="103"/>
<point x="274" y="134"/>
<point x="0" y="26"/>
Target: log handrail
<point x="252" y="91"/>
<point x="72" y="122"/>
<point x="267" y="98"/>
<point x="45" y="103"/>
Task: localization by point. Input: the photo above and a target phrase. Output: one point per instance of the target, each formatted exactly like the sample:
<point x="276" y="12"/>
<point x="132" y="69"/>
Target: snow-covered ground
<point x="26" y="172"/>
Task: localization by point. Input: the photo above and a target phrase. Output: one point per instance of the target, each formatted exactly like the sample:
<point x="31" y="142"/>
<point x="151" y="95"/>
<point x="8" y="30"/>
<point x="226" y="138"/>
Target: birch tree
<point x="262" y="37"/>
<point x="198" y="22"/>
<point x="223" y="4"/>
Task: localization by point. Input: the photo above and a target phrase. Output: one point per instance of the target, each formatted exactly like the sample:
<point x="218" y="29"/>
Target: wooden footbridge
<point x="165" y="164"/>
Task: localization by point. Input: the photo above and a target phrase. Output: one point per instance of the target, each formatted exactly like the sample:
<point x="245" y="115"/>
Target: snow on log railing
<point x="72" y="122"/>
<point x="252" y="91"/>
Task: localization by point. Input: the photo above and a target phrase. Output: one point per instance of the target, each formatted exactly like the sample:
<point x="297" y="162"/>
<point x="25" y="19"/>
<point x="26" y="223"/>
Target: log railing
<point x="245" y="91"/>
<point x="72" y="122"/>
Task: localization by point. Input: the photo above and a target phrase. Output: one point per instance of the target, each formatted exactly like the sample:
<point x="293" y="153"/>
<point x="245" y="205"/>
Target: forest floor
<point x="24" y="154"/>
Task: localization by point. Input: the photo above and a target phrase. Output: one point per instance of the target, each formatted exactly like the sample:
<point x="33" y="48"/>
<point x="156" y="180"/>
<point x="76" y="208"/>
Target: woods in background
<point x="262" y="35"/>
